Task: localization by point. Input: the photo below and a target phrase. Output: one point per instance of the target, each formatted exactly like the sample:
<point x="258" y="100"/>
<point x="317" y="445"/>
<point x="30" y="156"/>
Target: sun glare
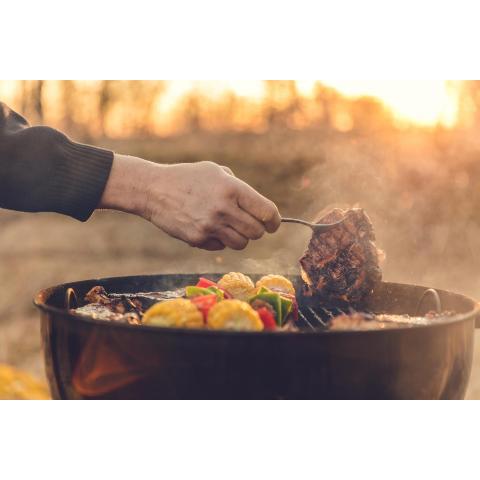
<point x="423" y="102"/>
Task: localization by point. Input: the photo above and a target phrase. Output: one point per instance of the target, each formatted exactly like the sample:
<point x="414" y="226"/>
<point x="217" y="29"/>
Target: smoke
<point x="419" y="196"/>
<point x="417" y="186"/>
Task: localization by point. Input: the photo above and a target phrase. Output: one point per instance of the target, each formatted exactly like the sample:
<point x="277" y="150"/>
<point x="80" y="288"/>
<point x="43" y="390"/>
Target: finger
<point x="232" y="239"/>
<point x="245" y="224"/>
<point x="212" y="244"/>
<point x="258" y="206"/>
<point x="228" y="170"/>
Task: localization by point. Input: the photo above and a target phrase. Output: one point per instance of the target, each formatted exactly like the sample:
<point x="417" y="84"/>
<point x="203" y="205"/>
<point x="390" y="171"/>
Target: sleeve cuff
<point x="80" y="178"/>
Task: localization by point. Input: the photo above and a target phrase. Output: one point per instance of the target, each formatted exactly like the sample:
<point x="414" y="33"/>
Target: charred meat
<point x="342" y="265"/>
<point x="102" y="306"/>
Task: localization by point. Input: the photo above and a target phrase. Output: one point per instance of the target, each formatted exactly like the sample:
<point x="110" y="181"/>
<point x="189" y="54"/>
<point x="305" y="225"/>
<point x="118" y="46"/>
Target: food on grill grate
<point x="366" y="321"/>
<point x="234" y="303"/>
<point x="102" y="306"/>
<point x="234" y="315"/>
<point x="359" y="321"/>
<point x="238" y="285"/>
<point x="179" y="313"/>
<point x="206" y="306"/>
<point x="277" y="283"/>
<point x="103" y="312"/>
<point x="342" y="265"/>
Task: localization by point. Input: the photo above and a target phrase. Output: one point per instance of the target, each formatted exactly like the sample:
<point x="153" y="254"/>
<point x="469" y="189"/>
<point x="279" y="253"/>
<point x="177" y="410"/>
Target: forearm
<point x="128" y="185"/>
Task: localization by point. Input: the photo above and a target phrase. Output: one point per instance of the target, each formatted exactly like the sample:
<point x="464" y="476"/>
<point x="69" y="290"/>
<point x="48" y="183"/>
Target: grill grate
<point x="310" y="318"/>
<point x="318" y="318"/>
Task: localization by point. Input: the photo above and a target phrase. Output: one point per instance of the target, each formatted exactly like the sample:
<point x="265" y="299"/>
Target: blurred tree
<point x="469" y="104"/>
<point x="326" y="99"/>
<point x="107" y="96"/>
<point x="369" y="114"/>
<point x="139" y="98"/>
<point x="191" y="111"/>
<point x="68" y="97"/>
<point x="23" y="97"/>
<point x="37" y="100"/>
<point x="282" y="103"/>
<point x="31" y="99"/>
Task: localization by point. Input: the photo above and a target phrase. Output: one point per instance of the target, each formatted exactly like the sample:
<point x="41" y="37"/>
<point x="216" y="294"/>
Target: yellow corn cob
<point x="178" y="312"/>
<point x="238" y="285"/>
<point x="18" y="385"/>
<point x="277" y="283"/>
<point x="234" y="315"/>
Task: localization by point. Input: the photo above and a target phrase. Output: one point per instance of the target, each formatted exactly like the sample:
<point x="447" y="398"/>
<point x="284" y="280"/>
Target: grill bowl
<point x="87" y="358"/>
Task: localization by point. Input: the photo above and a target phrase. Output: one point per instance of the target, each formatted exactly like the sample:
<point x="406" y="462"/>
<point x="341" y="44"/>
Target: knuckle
<point x="208" y="164"/>
<point x="204" y="228"/>
<point x="253" y="232"/>
<point x="229" y="189"/>
<point x="219" y="215"/>
<point x="211" y="167"/>
<point x="229" y="183"/>
<point x="240" y="244"/>
<point x="271" y="215"/>
<point x="208" y="224"/>
<point x="196" y="239"/>
<point x="257" y="234"/>
<point x="270" y="211"/>
<point x="228" y="170"/>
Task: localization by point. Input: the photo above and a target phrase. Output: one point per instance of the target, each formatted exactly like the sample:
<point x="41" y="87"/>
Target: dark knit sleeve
<point x="42" y="170"/>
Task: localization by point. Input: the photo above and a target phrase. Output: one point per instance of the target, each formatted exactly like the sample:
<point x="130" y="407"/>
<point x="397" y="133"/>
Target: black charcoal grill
<point x="87" y="358"/>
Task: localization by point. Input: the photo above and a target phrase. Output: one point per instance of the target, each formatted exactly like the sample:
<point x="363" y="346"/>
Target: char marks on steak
<point x="342" y="265"/>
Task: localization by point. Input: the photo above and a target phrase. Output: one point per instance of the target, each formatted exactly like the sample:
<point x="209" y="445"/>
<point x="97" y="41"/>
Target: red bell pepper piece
<point x="267" y="317"/>
<point x="205" y="283"/>
<point x="226" y="295"/>
<point x="204" y="303"/>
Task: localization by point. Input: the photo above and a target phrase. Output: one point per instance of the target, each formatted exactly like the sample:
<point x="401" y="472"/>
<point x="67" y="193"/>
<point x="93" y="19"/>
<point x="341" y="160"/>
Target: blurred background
<point x="406" y="151"/>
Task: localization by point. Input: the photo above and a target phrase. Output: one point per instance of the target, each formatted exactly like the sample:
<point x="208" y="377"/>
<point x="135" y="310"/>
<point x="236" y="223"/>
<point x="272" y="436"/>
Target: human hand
<point x="201" y="203"/>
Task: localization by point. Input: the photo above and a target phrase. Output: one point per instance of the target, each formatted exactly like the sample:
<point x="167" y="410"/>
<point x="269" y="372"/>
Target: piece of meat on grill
<point x="122" y="307"/>
<point x="342" y="265"/>
<point x="102" y="306"/>
<point x="364" y="321"/>
<point x="359" y="321"/>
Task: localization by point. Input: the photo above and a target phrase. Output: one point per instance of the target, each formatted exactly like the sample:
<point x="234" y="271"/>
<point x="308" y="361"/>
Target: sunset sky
<point x="425" y="102"/>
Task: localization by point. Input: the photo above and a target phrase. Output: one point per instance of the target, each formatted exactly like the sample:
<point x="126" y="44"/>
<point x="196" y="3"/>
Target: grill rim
<point x="41" y="298"/>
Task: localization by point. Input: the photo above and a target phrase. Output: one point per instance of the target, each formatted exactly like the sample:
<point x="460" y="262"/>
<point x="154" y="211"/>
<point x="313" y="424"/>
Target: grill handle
<point x="71" y="299"/>
<point x="436" y="298"/>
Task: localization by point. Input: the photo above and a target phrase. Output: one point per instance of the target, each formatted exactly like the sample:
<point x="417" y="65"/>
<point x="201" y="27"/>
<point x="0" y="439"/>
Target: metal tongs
<point x="316" y="227"/>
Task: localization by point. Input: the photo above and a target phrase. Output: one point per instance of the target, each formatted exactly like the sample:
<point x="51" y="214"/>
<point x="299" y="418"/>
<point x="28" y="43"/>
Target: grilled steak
<point x="342" y="265"/>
